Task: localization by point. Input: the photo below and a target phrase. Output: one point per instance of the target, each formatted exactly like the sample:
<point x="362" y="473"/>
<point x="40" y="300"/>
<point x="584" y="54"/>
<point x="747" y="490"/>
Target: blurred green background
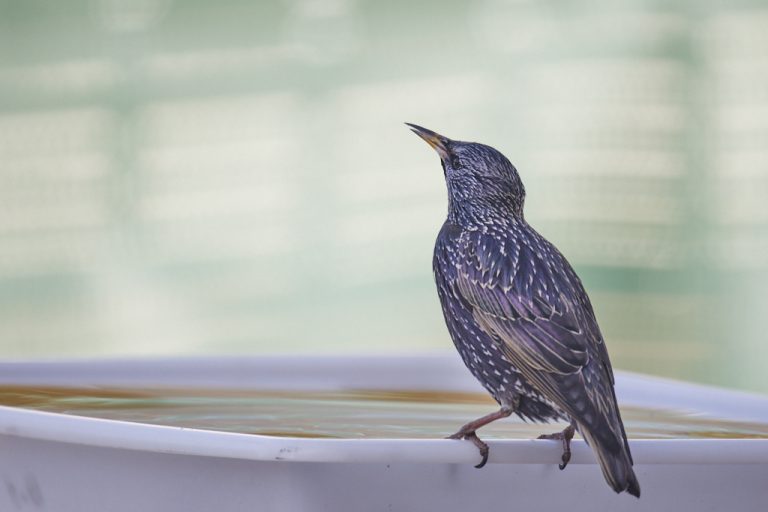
<point x="233" y="177"/>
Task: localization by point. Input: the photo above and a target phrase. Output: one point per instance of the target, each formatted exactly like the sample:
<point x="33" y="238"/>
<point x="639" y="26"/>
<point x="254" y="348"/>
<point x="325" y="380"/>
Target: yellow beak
<point x="437" y="141"/>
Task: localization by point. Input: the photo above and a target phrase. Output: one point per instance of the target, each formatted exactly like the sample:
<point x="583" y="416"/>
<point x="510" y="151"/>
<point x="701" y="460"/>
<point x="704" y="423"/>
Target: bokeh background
<point x="233" y="177"/>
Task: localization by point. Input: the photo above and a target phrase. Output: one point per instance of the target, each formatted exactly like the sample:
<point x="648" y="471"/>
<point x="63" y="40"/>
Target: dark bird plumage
<point x="518" y="313"/>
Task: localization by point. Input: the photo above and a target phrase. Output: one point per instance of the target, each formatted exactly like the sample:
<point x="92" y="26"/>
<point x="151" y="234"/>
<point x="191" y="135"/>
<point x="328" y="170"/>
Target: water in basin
<point x="341" y="414"/>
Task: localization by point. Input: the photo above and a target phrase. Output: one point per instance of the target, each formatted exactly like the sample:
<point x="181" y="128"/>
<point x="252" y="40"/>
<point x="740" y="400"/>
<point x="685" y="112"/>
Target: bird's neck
<point x="479" y="200"/>
<point x="476" y="212"/>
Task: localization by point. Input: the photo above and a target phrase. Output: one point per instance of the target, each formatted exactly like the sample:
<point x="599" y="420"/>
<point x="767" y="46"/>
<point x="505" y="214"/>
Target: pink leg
<point x="467" y="432"/>
<point x="565" y="436"/>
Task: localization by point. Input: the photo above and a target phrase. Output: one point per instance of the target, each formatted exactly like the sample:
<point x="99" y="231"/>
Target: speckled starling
<point x="518" y="313"/>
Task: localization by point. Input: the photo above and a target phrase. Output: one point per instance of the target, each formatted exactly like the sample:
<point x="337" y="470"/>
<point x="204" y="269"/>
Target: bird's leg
<point x="565" y="436"/>
<point x="467" y="432"/>
<point x="472" y="436"/>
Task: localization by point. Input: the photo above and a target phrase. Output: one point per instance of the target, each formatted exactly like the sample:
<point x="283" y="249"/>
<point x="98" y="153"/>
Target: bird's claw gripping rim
<point x="472" y="436"/>
<point x="468" y="431"/>
<point x="565" y="436"/>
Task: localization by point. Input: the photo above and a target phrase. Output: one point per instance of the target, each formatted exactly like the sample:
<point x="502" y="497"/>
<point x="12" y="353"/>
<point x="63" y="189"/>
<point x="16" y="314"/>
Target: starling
<point x="518" y="313"/>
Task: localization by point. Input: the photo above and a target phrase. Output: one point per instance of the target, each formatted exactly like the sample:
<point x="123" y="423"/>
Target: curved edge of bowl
<point x="17" y="422"/>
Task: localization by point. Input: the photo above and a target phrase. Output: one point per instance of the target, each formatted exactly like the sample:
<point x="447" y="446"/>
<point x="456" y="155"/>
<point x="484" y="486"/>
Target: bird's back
<point x="482" y="354"/>
<point x="509" y="295"/>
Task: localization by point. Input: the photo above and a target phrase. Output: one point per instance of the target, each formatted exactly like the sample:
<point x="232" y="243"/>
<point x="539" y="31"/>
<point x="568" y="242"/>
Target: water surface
<point x="340" y="414"/>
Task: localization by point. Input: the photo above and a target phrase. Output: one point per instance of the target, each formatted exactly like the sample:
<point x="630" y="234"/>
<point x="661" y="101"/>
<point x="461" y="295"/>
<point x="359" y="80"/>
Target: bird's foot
<point x="468" y="431"/>
<point x="471" y="435"/>
<point x="565" y="436"/>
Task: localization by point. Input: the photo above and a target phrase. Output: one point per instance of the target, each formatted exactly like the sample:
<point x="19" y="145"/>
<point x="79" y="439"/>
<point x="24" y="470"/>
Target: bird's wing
<point x="526" y="295"/>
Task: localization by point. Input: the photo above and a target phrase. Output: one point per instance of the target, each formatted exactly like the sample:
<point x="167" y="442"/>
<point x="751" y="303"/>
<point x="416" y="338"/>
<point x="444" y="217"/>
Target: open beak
<point x="437" y="141"/>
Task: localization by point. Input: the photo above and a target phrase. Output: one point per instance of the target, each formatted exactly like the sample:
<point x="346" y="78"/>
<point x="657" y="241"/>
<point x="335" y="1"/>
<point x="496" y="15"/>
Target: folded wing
<point x="529" y="299"/>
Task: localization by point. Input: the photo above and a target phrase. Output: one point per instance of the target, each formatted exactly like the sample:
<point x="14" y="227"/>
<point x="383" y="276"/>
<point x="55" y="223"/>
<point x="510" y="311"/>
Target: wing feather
<point x="532" y="302"/>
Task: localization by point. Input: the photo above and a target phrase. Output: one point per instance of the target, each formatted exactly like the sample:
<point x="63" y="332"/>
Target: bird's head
<point x="479" y="178"/>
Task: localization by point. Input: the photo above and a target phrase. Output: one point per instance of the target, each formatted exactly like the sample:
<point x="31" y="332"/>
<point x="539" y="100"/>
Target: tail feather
<point x="616" y="465"/>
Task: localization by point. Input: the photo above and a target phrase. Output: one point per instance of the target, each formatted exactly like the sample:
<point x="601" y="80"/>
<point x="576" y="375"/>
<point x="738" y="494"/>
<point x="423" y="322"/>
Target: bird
<point x="518" y="313"/>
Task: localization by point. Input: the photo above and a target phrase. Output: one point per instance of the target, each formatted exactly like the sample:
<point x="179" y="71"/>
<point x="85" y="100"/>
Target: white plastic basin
<point x="66" y="463"/>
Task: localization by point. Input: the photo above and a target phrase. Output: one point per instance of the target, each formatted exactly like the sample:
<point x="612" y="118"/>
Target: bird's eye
<point x="455" y="163"/>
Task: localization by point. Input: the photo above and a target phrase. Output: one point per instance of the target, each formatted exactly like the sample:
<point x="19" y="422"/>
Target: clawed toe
<point x="481" y="446"/>
<point x="565" y="436"/>
<point x="468" y="431"/>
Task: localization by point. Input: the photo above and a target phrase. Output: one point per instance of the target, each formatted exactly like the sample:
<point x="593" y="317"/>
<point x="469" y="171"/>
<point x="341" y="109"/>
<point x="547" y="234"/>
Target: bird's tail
<point x="616" y="464"/>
